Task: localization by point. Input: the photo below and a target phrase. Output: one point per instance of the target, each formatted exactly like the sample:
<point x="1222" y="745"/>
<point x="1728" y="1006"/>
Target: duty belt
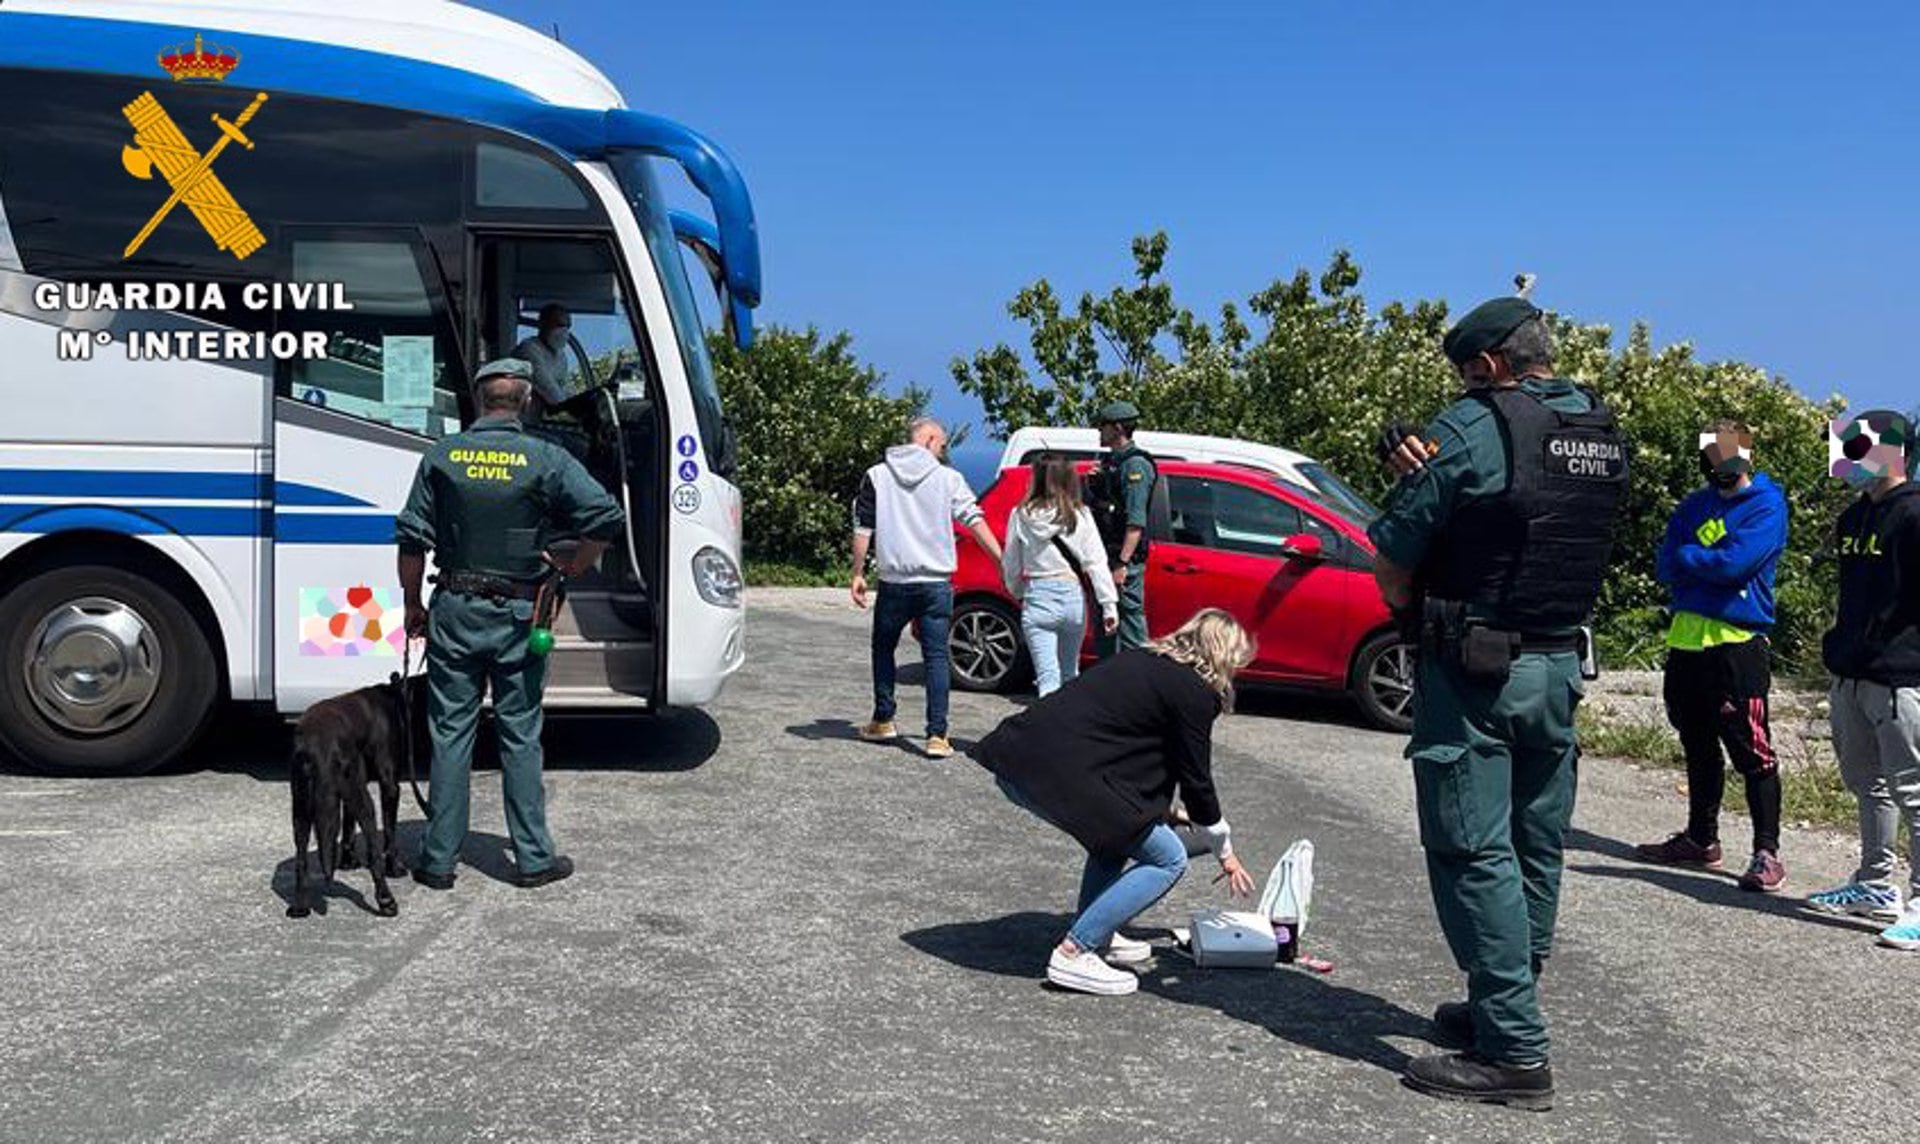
<point x="491" y="587"/>
<point x="1446" y="621"/>
<point x="1530" y="643"/>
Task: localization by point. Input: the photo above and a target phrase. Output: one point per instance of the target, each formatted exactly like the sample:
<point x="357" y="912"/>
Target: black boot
<point x="562" y="867"/>
<point x="1453" y="1024"/>
<point x="1463" y="1076"/>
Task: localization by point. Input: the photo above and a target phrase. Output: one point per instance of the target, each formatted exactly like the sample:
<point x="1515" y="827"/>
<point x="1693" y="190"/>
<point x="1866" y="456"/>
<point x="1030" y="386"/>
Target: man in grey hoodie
<point x="905" y="511"/>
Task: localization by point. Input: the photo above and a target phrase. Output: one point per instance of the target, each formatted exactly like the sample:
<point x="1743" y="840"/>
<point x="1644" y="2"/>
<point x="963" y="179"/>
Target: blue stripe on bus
<point x="332" y="528"/>
<point x="146" y="520"/>
<point x="133" y="483"/>
<point x="273" y="63"/>
<point x="200" y="521"/>
<point x="310" y="496"/>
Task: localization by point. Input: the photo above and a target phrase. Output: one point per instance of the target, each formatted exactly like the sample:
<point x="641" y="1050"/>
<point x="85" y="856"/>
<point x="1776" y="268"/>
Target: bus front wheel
<point x="102" y="672"/>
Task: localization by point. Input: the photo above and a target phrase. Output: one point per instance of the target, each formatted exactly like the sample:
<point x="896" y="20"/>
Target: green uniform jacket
<point x="492" y="499"/>
<point x="1134" y="486"/>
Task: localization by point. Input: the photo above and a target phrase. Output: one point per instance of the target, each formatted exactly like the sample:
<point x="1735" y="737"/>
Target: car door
<point x="1225" y="548"/>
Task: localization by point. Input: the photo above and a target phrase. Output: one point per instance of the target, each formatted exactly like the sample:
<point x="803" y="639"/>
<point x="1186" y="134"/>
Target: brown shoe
<point x="1680" y="850"/>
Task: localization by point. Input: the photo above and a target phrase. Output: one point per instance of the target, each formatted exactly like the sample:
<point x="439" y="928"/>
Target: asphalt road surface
<point x="780" y="934"/>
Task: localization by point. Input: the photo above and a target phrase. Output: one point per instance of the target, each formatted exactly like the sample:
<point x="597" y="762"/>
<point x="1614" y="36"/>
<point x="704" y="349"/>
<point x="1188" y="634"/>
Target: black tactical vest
<point x="1534" y="558"/>
<point x="1106" y="497"/>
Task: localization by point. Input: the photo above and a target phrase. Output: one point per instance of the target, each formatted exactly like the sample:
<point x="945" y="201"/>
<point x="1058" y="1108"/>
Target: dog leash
<point x="406" y="718"/>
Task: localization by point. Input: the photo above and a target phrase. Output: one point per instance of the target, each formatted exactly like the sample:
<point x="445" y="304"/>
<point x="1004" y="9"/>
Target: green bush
<point x="810" y="419"/>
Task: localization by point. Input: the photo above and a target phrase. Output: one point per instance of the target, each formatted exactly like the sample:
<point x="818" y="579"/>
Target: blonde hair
<point x="1212" y="643"/>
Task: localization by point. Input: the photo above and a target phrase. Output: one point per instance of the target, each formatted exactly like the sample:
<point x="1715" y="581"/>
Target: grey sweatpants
<point x="1876" y="734"/>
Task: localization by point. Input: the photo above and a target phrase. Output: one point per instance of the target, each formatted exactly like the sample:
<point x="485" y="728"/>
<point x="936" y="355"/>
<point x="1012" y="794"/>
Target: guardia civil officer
<point x="1119" y="490"/>
<point x="1496" y="538"/>
<point x="487" y="503"/>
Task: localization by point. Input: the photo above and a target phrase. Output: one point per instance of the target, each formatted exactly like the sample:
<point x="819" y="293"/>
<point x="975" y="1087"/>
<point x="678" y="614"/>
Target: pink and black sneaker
<point x="1764" y="874"/>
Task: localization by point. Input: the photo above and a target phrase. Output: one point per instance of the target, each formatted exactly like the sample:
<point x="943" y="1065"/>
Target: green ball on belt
<point x="540" y="641"/>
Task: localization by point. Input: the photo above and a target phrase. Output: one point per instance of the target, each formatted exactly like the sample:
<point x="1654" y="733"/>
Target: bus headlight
<point x="717" y="578"/>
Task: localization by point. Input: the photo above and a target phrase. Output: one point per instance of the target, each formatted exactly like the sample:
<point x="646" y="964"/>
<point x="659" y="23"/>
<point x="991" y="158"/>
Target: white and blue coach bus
<point x="250" y="255"/>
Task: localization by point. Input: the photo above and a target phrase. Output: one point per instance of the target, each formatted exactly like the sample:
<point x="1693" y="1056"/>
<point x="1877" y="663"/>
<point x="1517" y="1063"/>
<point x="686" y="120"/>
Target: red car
<point x="1296" y="571"/>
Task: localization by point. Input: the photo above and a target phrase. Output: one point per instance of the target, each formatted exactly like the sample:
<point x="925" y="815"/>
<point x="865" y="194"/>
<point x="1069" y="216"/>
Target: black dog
<point x="339" y="746"/>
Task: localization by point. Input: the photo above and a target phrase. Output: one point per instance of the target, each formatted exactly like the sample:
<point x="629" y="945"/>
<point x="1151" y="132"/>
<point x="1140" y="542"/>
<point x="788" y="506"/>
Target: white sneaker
<point x="1086" y="973"/>
<point x="1123" y="950"/>
<point x="1905" y="933"/>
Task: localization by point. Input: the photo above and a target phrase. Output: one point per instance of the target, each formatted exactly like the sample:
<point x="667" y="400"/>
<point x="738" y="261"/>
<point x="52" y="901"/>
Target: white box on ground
<point x="1251" y="939"/>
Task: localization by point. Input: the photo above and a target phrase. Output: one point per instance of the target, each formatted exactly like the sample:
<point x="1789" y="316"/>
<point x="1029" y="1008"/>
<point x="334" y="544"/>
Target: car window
<point x="1230" y="517"/>
<point x="1250" y="521"/>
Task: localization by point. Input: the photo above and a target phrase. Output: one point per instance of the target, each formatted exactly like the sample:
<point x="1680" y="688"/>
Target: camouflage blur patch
<point x="1864" y="447"/>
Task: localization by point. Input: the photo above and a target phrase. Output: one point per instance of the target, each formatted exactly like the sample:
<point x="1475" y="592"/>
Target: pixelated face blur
<point x="1867" y="447"/>
<point x="1726" y="452"/>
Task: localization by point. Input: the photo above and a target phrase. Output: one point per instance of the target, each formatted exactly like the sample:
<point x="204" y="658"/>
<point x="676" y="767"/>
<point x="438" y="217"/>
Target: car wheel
<point x="986" y="649"/>
<point x="1382" y="682"/>
<point x="102" y="672"/>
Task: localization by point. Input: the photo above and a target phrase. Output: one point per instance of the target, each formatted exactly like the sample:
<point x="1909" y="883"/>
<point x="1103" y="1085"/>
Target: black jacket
<point x="1876" y="630"/>
<point x="1104" y="754"/>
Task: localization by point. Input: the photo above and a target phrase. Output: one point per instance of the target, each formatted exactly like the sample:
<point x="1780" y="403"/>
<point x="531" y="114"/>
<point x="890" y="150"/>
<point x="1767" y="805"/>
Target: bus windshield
<point x="635" y="173"/>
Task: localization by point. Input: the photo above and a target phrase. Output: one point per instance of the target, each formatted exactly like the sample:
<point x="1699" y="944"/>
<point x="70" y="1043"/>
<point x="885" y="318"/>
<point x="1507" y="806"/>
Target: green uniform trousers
<point x="1132" y="609"/>
<point x="472" y="643"/>
<point x="1494" y="769"/>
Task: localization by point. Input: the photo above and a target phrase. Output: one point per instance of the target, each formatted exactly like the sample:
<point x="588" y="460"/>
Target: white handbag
<point x="1257" y="939"/>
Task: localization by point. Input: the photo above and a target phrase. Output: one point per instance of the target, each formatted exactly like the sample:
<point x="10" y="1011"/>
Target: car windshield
<point x="1338" y="494"/>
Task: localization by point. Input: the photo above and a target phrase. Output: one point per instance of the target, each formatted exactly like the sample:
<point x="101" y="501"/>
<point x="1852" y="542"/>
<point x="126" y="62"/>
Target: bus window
<point x="506" y="178"/>
<point x="643" y="193"/>
<point x="389" y="359"/>
<point x="519" y="277"/>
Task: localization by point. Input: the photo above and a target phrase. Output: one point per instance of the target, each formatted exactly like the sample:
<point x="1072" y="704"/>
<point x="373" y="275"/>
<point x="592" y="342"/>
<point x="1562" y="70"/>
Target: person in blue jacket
<point x="1718" y="559"/>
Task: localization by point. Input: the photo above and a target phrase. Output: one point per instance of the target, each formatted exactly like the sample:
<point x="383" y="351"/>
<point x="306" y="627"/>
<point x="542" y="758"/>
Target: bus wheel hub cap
<point x="93" y="665"/>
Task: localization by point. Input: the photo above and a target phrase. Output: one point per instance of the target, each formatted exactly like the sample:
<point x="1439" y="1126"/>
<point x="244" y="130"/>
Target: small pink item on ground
<point x="1317" y="964"/>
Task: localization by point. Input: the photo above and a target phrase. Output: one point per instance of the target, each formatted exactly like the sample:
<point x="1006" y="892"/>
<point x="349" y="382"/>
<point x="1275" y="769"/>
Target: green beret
<point x="1485" y="327"/>
<point x="1118" y="411"/>
<point x="504" y="367"/>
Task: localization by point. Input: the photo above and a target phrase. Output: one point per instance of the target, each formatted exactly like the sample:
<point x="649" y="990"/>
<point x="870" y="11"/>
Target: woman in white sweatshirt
<point x="1048" y="535"/>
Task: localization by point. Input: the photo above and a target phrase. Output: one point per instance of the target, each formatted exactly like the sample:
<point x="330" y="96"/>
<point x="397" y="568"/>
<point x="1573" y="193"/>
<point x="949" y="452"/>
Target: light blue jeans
<point x="1053" y="617"/>
<point x="1112" y="892"/>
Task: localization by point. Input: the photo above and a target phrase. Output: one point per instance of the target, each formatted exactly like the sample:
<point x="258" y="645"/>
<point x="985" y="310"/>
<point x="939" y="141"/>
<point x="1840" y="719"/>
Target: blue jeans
<point x="1112" y="893"/>
<point x="898" y="606"/>
<point x="1053" y="617"/>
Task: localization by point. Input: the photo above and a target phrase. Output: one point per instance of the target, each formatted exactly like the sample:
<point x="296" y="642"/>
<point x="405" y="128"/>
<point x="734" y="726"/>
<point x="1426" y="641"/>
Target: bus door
<point x="348" y="433"/>
<point x="601" y="406"/>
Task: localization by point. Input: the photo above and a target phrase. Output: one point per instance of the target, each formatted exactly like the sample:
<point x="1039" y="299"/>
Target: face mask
<point x="556" y="340"/>
<point x="1725" y="480"/>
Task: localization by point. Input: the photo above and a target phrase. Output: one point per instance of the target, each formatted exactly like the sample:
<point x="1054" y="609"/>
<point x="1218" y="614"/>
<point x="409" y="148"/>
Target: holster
<point x="549" y="594"/>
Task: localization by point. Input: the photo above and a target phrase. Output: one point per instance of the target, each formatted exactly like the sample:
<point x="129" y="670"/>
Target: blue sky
<point x="1743" y="176"/>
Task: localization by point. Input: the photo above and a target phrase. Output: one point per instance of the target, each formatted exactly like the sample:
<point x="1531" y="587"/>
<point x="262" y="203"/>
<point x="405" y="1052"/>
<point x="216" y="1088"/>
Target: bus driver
<point x="546" y="352"/>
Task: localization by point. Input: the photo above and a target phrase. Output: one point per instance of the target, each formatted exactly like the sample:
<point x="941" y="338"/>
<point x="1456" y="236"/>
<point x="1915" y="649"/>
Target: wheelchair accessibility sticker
<point x="689" y="470"/>
<point x="686" y="499"/>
